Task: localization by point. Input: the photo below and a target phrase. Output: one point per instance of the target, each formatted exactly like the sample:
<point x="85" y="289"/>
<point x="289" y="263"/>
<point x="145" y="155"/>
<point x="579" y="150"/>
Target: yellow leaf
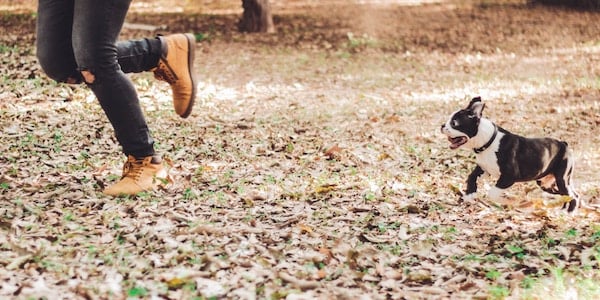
<point x="325" y="188"/>
<point x="176" y="283"/>
<point x="538" y="202"/>
<point x="455" y="189"/>
<point x="305" y="228"/>
<point x="562" y="200"/>
<point x="384" y="156"/>
<point x="565" y="199"/>
<point x="248" y="202"/>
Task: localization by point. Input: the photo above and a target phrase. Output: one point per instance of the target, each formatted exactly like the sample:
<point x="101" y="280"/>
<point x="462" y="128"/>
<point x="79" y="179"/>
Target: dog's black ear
<point x="476" y="106"/>
<point x="474" y="101"/>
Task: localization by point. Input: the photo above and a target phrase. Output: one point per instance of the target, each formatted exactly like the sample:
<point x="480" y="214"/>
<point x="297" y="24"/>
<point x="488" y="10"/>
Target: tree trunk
<point x="582" y="4"/>
<point x="257" y="17"/>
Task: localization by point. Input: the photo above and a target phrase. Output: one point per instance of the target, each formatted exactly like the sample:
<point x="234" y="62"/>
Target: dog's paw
<point x="468" y="197"/>
<point x="497" y="195"/>
<point x="570" y="204"/>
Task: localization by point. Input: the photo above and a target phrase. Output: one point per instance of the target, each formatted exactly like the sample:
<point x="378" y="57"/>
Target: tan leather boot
<point x="139" y="174"/>
<point x="176" y="67"/>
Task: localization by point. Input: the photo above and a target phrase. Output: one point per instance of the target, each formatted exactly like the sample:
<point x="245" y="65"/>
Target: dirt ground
<point x="312" y="166"/>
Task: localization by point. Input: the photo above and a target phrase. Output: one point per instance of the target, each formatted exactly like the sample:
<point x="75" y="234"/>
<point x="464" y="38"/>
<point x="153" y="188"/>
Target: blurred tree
<point x="257" y="17"/>
<point x="583" y="4"/>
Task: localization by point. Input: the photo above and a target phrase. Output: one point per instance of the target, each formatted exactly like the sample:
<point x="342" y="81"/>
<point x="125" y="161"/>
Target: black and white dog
<point x="510" y="157"/>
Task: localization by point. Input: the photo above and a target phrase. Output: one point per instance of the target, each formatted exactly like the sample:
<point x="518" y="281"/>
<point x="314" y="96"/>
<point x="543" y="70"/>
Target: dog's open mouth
<point x="456" y="142"/>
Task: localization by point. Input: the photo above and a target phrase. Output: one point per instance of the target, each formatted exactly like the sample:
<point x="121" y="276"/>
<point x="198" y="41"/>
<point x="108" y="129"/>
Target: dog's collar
<point x="489" y="143"/>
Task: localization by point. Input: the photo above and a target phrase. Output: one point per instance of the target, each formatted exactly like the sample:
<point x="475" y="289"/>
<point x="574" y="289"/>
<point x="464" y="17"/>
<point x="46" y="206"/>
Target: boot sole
<point x="191" y="49"/>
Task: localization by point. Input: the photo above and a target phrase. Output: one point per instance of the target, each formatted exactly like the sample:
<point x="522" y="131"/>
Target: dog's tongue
<point x="457" y="141"/>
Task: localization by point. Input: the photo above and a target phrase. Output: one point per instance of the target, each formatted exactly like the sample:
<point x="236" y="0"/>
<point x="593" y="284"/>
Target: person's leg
<point x="53" y="40"/>
<point x="137" y="56"/>
<point x="172" y="60"/>
<point x="96" y="26"/>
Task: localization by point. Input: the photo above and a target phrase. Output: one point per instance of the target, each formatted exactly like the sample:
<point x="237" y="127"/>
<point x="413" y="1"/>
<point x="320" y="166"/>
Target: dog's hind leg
<point x="564" y="184"/>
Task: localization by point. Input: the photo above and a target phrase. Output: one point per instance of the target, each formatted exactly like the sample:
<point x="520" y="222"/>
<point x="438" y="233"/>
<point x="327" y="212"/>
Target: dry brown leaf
<point x="19" y="262"/>
<point x="333" y="152"/>
<point x="298" y="283"/>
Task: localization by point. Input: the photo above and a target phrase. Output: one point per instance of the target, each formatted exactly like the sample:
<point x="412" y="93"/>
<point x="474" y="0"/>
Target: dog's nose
<point x="442" y="127"/>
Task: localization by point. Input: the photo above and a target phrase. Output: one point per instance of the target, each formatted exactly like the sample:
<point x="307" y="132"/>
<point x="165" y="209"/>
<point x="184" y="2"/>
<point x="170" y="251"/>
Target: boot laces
<point x="164" y="72"/>
<point x="133" y="168"/>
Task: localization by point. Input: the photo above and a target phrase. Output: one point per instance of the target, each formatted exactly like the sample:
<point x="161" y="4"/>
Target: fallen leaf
<point x="325" y="188"/>
<point x="333" y="152"/>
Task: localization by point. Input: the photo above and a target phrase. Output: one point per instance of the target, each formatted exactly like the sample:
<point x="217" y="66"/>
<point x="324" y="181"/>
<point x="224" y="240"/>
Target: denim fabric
<point x="139" y="55"/>
<point x="80" y="35"/>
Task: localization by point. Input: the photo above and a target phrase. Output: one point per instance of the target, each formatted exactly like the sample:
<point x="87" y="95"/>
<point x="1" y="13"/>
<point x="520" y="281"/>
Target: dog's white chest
<point x="488" y="160"/>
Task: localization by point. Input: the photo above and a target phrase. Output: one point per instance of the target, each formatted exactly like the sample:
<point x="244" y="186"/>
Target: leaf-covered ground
<point x="312" y="166"/>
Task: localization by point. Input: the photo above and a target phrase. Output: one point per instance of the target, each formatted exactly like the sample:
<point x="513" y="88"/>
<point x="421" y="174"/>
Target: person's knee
<point x="58" y="71"/>
<point x="88" y="76"/>
<point x="96" y="63"/>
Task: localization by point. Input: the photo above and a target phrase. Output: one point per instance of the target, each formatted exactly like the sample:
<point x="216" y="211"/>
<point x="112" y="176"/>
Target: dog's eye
<point x="454" y="123"/>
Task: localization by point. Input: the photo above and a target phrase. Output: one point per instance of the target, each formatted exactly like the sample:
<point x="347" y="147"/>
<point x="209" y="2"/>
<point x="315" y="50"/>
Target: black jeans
<point x="75" y="36"/>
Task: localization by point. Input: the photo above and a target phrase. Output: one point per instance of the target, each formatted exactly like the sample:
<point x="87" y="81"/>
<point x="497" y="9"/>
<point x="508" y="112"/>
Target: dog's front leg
<point x="472" y="183"/>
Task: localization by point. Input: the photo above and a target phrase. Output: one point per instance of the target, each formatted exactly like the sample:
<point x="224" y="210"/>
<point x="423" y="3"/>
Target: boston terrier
<point x="510" y="157"/>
